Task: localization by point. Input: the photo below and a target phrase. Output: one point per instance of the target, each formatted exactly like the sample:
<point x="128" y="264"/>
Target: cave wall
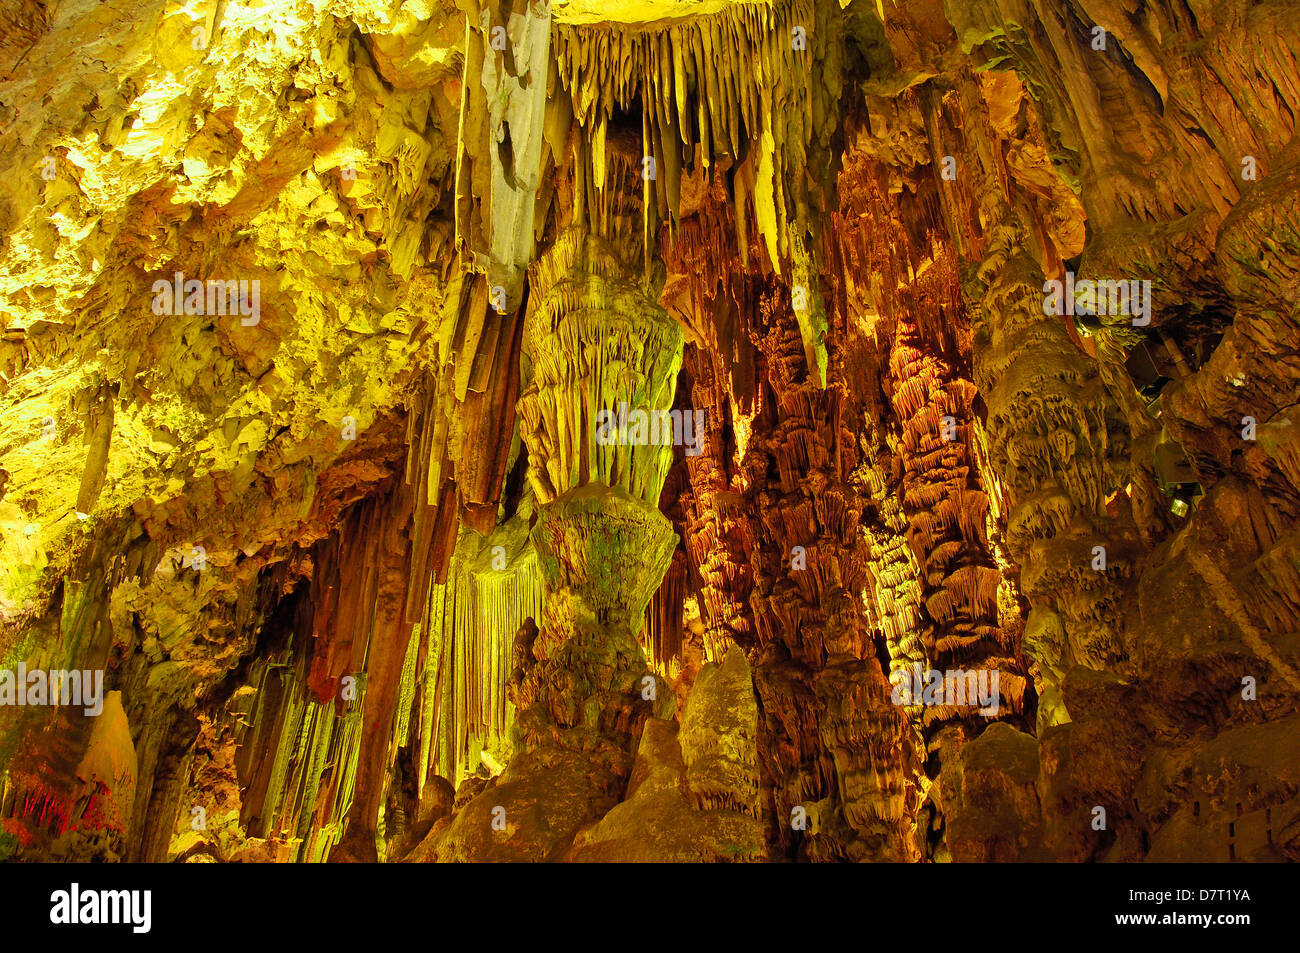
<point x="370" y="575"/>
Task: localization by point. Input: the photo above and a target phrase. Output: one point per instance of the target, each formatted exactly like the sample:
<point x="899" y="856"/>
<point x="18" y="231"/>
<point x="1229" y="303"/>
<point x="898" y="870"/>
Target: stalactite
<point x="599" y="353"/>
<point x="299" y="758"/>
<point x="749" y="81"/>
<point x="663" y="627"/>
<point x="472" y="623"/>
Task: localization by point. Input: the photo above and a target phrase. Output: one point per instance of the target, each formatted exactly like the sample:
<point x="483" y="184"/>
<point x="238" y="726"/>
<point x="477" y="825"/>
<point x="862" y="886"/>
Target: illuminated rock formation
<point x="507" y="430"/>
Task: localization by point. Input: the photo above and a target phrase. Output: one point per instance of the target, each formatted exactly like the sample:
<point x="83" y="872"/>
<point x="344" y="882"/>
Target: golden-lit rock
<point x="524" y="431"/>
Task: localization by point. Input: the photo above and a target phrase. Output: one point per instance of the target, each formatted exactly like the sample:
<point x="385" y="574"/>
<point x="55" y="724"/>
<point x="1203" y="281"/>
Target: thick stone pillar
<point x="599" y="366"/>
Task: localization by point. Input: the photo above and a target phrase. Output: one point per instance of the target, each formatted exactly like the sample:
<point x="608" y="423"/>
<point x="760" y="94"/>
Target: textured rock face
<point x="693" y="794"/>
<point x="648" y="430"/>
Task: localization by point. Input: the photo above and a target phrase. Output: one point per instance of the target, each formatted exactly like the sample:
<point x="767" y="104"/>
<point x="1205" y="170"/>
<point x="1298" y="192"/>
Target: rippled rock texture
<point x="776" y="430"/>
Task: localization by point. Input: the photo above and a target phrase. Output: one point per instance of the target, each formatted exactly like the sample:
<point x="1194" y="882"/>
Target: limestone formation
<point x="649" y="430"/>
